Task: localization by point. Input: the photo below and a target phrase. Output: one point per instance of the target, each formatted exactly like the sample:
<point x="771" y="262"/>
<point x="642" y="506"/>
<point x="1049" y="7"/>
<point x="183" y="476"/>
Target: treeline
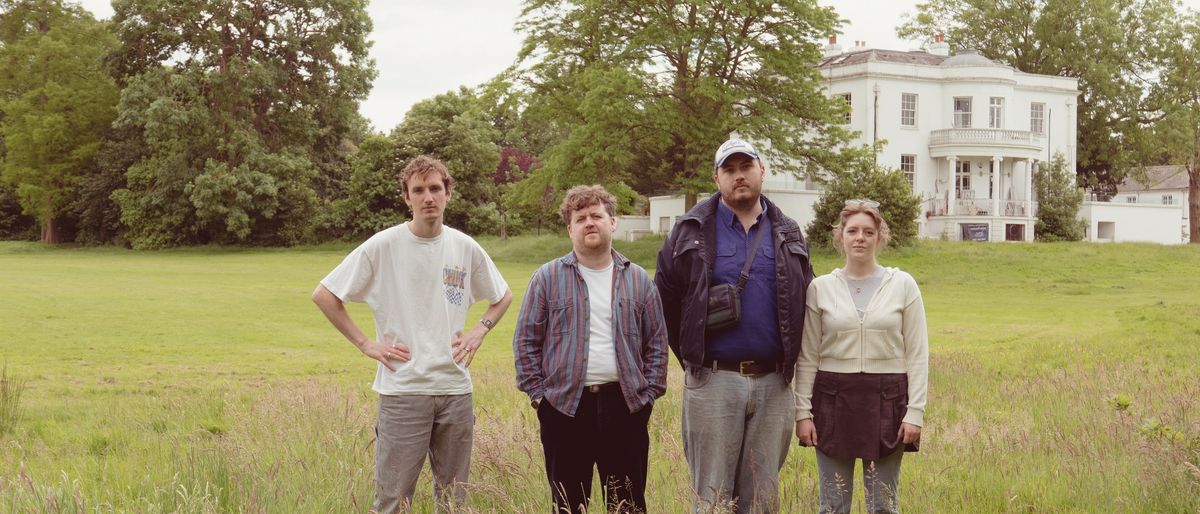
<point x="183" y="122"/>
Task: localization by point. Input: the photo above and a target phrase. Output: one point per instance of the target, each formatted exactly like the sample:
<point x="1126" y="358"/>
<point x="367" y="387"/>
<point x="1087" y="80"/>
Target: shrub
<point x="1058" y="203"/>
<point x="887" y="186"/>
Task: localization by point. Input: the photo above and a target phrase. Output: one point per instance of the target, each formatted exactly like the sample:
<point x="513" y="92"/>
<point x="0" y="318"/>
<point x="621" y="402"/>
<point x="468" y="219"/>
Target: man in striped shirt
<point x="591" y="353"/>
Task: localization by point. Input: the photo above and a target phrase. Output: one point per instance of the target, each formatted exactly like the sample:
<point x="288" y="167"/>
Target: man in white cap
<point x="733" y="275"/>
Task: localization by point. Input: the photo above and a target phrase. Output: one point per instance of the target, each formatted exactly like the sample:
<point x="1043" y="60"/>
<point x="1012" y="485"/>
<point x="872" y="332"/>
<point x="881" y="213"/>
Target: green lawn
<point x="1064" y="378"/>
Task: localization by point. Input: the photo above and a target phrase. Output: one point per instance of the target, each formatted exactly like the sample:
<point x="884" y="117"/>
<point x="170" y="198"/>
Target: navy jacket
<point x="685" y="263"/>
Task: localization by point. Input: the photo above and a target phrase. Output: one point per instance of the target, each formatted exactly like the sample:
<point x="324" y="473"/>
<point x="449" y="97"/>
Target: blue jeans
<point x="736" y="433"/>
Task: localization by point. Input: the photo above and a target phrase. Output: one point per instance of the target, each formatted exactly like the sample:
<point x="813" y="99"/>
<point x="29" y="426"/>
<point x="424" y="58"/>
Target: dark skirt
<point x="858" y="414"/>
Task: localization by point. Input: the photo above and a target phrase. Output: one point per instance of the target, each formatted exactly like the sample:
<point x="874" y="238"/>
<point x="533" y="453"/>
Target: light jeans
<point x="736" y="433"/>
<point x="408" y="428"/>
<point x="881" y="481"/>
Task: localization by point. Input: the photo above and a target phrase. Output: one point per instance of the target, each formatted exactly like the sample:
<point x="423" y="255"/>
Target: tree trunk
<point x="50" y="232"/>
<point x="1193" y="206"/>
<point x="689" y="201"/>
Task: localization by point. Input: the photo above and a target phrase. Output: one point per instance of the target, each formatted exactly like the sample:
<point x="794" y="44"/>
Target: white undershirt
<point x="602" y="353"/>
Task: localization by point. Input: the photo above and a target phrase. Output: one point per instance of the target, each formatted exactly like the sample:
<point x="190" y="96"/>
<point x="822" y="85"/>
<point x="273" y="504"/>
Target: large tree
<point x="1109" y="46"/>
<point x="648" y="89"/>
<point x="1174" y="134"/>
<point x="455" y="128"/>
<point x="57" y="100"/>
<point x="241" y="105"/>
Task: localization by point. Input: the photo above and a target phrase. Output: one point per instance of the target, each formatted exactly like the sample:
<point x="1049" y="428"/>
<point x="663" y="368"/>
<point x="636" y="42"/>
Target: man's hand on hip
<point x="386" y="352"/>
<point x="465" y="345"/>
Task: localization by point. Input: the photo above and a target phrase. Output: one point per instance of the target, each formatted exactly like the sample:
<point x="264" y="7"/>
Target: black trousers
<point x="603" y="434"/>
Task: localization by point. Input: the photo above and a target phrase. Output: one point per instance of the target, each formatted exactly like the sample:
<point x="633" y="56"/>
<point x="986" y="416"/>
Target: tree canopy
<point x="1173" y="135"/>
<point x="57" y="102"/>
<point x="646" y="90"/>
<point x="239" y="104"/>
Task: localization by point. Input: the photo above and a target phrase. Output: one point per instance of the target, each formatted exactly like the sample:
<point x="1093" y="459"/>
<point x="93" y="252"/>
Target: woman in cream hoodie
<point x="863" y="371"/>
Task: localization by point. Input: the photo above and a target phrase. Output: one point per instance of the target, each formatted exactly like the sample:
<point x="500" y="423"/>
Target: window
<point x="908" y="164"/>
<point x="849" y="107"/>
<point x="1130" y="199"/>
<point x="962" y="179"/>
<point x="1014" y="232"/>
<point x="996" y="113"/>
<point x="908" y="110"/>
<point x="1168" y="199"/>
<point x="1037" y="118"/>
<point x="962" y="112"/>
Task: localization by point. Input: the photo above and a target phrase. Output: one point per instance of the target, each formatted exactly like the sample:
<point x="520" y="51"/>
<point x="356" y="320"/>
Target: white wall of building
<point x="630" y="228"/>
<point x="1128" y="223"/>
<point x="663" y="211"/>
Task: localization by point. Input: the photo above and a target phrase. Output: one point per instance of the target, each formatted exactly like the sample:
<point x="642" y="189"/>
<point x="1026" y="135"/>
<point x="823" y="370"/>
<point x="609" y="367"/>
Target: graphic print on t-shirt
<point x="454" y="278"/>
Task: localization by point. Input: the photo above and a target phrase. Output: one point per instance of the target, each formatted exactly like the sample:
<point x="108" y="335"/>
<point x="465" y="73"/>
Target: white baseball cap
<point x="734" y="146"/>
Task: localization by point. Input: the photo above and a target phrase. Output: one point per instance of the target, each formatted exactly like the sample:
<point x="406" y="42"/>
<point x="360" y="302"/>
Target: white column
<point x="996" y="162"/>
<point x="952" y="191"/>
<point x="1031" y="164"/>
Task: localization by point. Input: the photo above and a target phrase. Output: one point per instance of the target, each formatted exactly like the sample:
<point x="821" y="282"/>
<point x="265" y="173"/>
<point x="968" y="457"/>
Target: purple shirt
<point x="550" y="345"/>
<point x="756" y="336"/>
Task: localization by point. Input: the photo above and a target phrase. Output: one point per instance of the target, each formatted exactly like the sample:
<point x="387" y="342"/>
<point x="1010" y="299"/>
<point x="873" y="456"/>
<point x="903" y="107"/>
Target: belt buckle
<point x="593" y="388"/>
<point x="742" y="368"/>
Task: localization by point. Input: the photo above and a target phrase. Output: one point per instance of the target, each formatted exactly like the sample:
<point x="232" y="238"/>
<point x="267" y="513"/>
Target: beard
<point x="741" y="199"/>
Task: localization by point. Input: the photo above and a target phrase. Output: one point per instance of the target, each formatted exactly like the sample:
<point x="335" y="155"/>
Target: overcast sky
<point x="425" y="48"/>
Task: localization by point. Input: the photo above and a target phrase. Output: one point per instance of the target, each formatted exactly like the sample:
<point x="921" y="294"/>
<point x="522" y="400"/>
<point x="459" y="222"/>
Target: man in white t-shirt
<point x="419" y="278"/>
<point x="591" y="353"/>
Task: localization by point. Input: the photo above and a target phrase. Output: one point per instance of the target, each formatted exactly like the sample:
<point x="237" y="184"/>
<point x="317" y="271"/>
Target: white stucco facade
<point x="1127" y="215"/>
<point x="970" y="132"/>
<point x="1115" y="222"/>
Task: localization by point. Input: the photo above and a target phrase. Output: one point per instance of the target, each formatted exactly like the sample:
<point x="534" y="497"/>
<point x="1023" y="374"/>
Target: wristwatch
<point x="487" y="323"/>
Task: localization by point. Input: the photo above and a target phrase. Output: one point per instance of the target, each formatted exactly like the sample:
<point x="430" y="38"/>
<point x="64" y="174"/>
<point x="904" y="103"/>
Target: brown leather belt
<point x="602" y="387"/>
<point x="747" y="368"/>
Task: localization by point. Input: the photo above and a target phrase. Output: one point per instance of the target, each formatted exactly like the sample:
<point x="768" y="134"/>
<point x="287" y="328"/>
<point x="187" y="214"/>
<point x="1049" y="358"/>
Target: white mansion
<point x="969" y="133"/>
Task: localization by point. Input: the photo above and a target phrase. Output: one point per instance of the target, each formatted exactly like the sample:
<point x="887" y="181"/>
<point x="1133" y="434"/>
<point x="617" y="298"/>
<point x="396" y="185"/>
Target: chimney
<point x="940" y="46"/>
<point x="833" y="48"/>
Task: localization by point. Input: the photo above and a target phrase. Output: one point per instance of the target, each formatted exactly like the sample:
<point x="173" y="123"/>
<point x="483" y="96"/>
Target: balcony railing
<point x="982" y="207"/>
<point x="960" y="136"/>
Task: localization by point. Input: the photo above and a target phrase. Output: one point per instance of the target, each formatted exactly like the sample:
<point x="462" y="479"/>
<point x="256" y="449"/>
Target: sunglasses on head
<point x="862" y="202"/>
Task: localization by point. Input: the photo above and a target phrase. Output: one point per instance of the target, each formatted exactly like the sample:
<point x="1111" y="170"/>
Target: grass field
<point x="1064" y="378"/>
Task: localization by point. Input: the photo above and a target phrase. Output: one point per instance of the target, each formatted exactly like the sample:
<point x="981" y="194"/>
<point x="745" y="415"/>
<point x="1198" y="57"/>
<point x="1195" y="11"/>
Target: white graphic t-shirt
<point x="419" y="290"/>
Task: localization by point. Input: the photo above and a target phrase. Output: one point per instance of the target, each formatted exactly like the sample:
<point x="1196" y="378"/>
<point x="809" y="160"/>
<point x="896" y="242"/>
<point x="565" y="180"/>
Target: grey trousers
<point x="881" y="481"/>
<point x="408" y="428"/>
<point x="736" y="431"/>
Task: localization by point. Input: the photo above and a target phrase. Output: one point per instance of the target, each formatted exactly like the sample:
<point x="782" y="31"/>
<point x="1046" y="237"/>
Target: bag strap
<point x="745" y="275"/>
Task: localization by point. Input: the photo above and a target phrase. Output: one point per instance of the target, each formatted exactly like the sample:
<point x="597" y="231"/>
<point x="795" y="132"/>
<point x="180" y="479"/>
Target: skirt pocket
<point x="825" y="415"/>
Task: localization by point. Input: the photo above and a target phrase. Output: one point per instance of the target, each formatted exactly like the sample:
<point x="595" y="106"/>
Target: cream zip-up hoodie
<point x="890" y="338"/>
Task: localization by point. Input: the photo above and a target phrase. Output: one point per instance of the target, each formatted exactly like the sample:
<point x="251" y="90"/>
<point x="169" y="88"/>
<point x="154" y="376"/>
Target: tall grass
<point x="1063" y="379"/>
<point x="10" y="400"/>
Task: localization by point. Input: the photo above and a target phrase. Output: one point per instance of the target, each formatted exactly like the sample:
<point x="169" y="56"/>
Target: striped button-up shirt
<point x="551" y="342"/>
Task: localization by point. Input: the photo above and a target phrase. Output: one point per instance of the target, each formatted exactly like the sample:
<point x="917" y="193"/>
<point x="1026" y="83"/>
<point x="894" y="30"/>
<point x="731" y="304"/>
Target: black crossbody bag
<point x="725" y="300"/>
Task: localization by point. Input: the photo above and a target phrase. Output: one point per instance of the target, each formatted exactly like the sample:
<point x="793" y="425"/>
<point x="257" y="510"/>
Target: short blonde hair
<point x="580" y="197"/>
<point x="885" y="233"/>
